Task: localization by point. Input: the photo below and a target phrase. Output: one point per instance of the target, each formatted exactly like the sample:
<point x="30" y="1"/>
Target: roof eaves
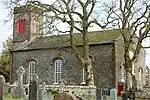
<point x="90" y="44"/>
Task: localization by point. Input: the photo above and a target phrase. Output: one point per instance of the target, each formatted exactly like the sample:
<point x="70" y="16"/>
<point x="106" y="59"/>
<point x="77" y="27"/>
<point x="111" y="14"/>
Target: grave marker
<point x="6" y="89"/>
<point x="19" y="91"/>
<point x="2" y="83"/>
<point x="33" y="88"/>
<point x="113" y="94"/>
<point x="131" y="95"/>
<point x="104" y="93"/>
<point x="42" y="91"/>
<point x="48" y="95"/>
<point x="124" y="96"/>
<point x="61" y="86"/>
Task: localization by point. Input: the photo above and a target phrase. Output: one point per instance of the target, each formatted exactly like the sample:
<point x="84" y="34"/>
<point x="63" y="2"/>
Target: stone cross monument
<point x="19" y="91"/>
<point x="20" y="71"/>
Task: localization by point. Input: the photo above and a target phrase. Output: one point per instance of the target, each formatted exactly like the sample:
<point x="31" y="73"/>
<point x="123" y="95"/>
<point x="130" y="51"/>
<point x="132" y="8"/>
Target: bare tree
<point x="130" y="16"/>
<point x="133" y="20"/>
<point x="78" y="15"/>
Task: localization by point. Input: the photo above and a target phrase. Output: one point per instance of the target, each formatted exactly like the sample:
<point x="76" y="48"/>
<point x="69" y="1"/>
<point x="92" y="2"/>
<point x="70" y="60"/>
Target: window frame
<point x="122" y="73"/>
<point x="140" y="72"/>
<point x="21" y="26"/>
<point x="32" y="68"/>
<point x="58" y="63"/>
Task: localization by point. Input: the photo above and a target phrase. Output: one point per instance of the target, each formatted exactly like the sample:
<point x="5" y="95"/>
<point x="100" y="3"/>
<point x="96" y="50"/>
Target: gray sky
<point x="5" y="28"/>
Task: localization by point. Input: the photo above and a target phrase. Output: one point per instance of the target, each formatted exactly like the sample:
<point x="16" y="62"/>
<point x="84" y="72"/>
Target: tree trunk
<point x="89" y="74"/>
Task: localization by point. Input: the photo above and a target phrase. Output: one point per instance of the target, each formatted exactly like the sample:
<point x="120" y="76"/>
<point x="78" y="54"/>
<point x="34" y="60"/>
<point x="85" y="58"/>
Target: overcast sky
<point x="6" y="29"/>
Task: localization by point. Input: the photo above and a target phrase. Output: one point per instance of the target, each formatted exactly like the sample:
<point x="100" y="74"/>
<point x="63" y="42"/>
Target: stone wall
<point x="103" y="65"/>
<point x="81" y="91"/>
<point x="145" y="94"/>
<point x="78" y="90"/>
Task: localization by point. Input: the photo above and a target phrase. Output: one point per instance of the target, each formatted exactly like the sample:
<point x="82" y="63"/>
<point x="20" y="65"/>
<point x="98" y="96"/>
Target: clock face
<point x="21" y="26"/>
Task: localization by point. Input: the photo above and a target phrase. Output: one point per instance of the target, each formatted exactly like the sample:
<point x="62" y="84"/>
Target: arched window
<point x="58" y="70"/>
<point x="83" y="76"/>
<point x="32" y="69"/>
<point x="140" y="74"/>
<point x="122" y="73"/>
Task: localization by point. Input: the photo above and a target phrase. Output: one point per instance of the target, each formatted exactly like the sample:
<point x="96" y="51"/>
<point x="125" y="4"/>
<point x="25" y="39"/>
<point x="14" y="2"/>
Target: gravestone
<point x="61" y="86"/>
<point x="42" y="91"/>
<point x="33" y="88"/>
<point x="113" y="94"/>
<point x="19" y="91"/>
<point x="63" y="96"/>
<point x="104" y="93"/>
<point x="2" y="83"/>
<point x="131" y="95"/>
<point x="124" y="96"/>
<point x="48" y="95"/>
<point x="89" y="95"/>
<point x="6" y="89"/>
<point x="41" y="94"/>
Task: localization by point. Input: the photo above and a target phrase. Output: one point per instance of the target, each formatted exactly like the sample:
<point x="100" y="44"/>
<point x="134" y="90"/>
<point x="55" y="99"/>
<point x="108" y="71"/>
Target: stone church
<point x="50" y="59"/>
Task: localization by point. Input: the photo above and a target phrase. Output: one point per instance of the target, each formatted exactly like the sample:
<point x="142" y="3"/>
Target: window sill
<point x="83" y="83"/>
<point x="56" y="83"/>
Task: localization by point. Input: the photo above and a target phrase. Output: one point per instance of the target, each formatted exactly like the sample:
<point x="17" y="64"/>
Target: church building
<point x="50" y="59"/>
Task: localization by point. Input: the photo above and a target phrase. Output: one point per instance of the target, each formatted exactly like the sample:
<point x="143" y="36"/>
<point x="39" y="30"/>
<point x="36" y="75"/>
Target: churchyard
<point x="35" y="91"/>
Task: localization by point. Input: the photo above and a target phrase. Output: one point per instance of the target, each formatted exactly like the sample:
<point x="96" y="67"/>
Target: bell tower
<point x="28" y="23"/>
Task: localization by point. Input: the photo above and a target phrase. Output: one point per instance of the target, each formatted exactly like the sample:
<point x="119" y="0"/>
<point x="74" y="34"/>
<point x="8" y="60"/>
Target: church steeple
<point x="28" y="22"/>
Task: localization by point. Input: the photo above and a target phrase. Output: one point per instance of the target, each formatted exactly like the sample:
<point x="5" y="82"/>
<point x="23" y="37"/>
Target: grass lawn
<point x="9" y="97"/>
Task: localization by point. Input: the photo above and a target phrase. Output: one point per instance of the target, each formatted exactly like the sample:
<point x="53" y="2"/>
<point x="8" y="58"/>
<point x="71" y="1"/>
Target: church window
<point x="32" y="67"/>
<point x="83" y="76"/>
<point x="21" y="26"/>
<point x="122" y="73"/>
<point x="58" y="70"/>
<point x="140" y="74"/>
<point x="133" y="67"/>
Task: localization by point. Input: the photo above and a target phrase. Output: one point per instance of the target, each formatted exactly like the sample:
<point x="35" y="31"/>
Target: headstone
<point x="104" y="93"/>
<point x="61" y="86"/>
<point x="42" y="91"/>
<point x="131" y="95"/>
<point x="20" y="71"/>
<point x="6" y="89"/>
<point x="124" y="96"/>
<point x="63" y="96"/>
<point x="19" y="91"/>
<point x="33" y="88"/>
<point x="48" y="95"/>
<point x="2" y="83"/>
<point x="113" y="94"/>
<point x="89" y="95"/>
